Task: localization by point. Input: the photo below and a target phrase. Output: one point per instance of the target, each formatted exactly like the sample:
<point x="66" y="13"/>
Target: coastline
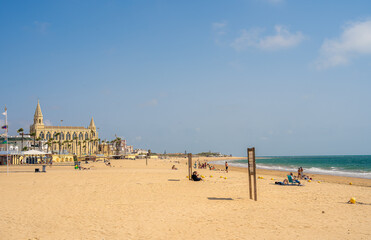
<point x="282" y="174"/>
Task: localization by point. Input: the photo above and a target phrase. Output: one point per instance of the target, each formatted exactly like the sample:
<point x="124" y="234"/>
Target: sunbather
<point x="285" y="182"/>
<point x="294" y="180"/>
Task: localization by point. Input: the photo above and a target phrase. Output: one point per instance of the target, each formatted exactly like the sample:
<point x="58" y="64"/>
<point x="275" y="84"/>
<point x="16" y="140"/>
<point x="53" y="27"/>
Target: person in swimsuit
<point x="226" y="167"/>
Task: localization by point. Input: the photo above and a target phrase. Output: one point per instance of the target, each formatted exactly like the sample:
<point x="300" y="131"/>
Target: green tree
<point x="85" y="146"/>
<point x="75" y="138"/>
<point x="80" y="148"/>
<point x="57" y="135"/>
<point x="102" y="147"/>
<point x="50" y="144"/>
<point x="117" y="142"/>
<point x="39" y="140"/>
<point x="34" y="138"/>
<point x="21" y="132"/>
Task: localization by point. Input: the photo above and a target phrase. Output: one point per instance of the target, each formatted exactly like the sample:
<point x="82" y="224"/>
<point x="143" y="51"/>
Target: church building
<point x="74" y="140"/>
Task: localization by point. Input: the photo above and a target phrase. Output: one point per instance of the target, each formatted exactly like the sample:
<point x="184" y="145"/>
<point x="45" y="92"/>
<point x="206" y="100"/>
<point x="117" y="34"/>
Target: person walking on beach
<point x="226" y="167"/>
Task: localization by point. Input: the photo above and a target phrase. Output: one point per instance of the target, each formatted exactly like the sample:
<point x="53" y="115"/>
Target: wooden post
<point x="190" y="166"/>
<point x="252" y="171"/>
<point x="148" y="155"/>
<point x="255" y="190"/>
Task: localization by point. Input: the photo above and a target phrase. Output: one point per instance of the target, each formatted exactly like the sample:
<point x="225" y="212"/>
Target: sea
<point x="341" y="165"/>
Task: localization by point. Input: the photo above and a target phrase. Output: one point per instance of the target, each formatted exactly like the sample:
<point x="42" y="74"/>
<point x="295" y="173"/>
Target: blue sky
<point x="288" y="77"/>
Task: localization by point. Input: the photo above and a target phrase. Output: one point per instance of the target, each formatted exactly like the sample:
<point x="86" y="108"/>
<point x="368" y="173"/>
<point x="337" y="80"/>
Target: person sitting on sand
<point x="294" y="179"/>
<point x="174" y="168"/>
<point x="195" y="177"/>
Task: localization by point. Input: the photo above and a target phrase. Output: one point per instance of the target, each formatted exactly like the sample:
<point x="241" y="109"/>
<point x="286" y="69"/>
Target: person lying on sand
<point x="108" y="163"/>
<point x="174" y="168"/>
<point x="195" y="177"/>
<point x="285" y="182"/>
<point x="84" y="168"/>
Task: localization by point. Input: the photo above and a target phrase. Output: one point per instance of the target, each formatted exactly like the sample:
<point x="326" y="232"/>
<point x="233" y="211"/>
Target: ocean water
<point x="347" y="165"/>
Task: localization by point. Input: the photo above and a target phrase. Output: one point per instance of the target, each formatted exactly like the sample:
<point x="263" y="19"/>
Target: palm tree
<point x="99" y="145"/>
<point x="85" y="146"/>
<point x="118" y="143"/>
<point x="102" y="147"/>
<point x="54" y="142"/>
<point x="91" y="146"/>
<point x="86" y="142"/>
<point x="34" y="138"/>
<point x="97" y="140"/>
<point x="59" y="143"/>
<point x="80" y="147"/>
<point x="75" y="138"/>
<point x="50" y="144"/>
<point x="21" y="132"/>
<point x="39" y="140"/>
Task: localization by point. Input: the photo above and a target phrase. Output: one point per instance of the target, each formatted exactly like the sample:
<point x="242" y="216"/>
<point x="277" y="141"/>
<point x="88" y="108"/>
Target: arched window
<point x="81" y="137"/>
<point x="41" y="135"/>
<point x="55" y="136"/>
<point x="48" y="135"/>
<point x="39" y="120"/>
<point x="68" y="136"/>
<point x="74" y="135"/>
<point x="62" y="136"/>
<point x="86" y="136"/>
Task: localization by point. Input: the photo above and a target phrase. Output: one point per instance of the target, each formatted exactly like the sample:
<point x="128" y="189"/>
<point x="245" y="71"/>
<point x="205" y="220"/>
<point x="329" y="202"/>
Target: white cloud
<point x="47" y="122"/>
<point x="282" y="39"/>
<point x="42" y="27"/>
<point x="219" y="28"/>
<point x="150" y="103"/>
<point x="274" y="1"/>
<point x="354" y="41"/>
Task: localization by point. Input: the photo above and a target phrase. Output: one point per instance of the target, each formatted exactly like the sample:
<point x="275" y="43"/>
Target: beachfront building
<point x="65" y="139"/>
<point x="16" y="143"/>
<point x="123" y="148"/>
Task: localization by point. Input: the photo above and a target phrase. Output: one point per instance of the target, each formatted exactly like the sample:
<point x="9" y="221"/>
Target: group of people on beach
<point x="291" y="178"/>
<point x="201" y="165"/>
<point x="206" y="165"/>
<point x="301" y="174"/>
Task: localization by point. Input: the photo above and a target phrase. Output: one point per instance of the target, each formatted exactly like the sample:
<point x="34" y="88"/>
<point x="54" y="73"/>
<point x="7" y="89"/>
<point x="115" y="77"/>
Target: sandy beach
<point x="133" y="201"/>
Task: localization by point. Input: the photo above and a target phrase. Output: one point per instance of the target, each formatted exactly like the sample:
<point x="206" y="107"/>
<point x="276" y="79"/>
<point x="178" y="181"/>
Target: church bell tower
<point x="38" y="117"/>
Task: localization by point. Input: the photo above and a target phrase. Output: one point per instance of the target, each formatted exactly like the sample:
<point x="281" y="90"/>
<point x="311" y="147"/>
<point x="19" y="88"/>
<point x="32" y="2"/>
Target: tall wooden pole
<point x="249" y="173"/>
<point x="255" y="191"/>
<point x="190" y="166"/>
<point x="252" y="171"/>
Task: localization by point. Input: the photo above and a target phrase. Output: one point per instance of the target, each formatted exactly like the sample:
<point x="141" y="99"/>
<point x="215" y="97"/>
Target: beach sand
<point x="133" y="201"/>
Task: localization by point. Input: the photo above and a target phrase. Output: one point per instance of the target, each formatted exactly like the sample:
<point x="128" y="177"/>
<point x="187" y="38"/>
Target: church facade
<point x="74" y="140"/>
